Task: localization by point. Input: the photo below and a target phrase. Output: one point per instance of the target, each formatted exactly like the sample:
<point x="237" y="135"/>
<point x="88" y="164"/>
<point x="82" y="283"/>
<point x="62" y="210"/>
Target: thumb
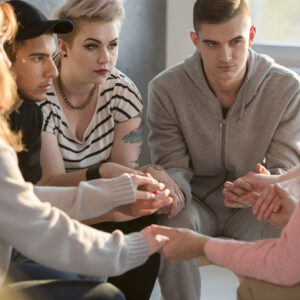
<point x="161" y="240"/>
<point x="261" y="169"/>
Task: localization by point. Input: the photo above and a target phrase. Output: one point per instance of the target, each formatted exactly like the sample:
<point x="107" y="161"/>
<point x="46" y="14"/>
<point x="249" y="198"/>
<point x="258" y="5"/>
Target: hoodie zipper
<point x="223" y="125"/>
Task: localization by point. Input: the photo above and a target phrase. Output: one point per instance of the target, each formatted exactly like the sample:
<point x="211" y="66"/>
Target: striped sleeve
<point x="126" y="103"/>
<point x="50" y="115"/>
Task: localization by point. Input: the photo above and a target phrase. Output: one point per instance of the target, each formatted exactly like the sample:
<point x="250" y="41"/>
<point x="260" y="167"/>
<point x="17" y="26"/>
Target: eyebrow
<point x="39" y="54"/>
<point x="98" y="41"/>
<point x="235" y="38"/>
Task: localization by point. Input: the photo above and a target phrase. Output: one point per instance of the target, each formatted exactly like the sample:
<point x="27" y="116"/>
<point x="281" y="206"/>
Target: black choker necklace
<point x="61" y="90"/>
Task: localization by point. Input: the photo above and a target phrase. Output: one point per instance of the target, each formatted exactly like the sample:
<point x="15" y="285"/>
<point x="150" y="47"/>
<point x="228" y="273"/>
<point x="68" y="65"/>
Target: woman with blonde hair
<point x="92" y="117"/>
<point x="62" y="243"/>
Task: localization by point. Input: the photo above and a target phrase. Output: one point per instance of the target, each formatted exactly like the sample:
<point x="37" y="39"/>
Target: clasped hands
<point x="269" y="198"/>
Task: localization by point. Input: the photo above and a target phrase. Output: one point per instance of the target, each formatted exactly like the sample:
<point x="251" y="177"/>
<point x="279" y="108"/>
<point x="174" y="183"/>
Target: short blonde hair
<point x="89" y="10"/>
<point x="8" y="89"/>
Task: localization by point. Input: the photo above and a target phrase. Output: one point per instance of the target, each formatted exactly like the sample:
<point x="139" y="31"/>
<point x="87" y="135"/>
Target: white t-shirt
<point x="118" y="100"/>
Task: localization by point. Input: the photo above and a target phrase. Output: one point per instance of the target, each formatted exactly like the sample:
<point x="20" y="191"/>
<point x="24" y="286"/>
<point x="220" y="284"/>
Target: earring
<point x="65" y="55"/>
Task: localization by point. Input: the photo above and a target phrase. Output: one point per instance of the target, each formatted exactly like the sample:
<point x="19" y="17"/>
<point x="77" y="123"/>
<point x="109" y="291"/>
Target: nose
<point x="225" y="53"/>
<point x="51" y="70"/>
<point x="104" y="56"/>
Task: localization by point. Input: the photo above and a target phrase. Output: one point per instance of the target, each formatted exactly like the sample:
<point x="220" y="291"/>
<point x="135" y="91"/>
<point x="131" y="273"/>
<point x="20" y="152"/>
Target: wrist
<point x="202" y="240"/>
<point x="93" y="171"/>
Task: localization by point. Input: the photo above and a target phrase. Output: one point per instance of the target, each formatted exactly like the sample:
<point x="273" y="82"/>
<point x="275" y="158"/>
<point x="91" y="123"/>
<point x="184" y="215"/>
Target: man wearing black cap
<point x="31" y="57"/>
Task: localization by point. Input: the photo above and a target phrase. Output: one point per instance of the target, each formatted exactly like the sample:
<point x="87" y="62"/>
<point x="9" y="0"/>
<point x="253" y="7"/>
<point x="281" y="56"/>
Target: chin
<point x="38" y="98"/>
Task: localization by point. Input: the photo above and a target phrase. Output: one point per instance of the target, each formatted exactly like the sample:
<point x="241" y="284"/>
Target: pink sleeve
<point x="273" y="260"/>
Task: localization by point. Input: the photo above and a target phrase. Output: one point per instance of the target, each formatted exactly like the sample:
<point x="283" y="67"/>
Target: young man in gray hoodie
<point x="212" y="118"/>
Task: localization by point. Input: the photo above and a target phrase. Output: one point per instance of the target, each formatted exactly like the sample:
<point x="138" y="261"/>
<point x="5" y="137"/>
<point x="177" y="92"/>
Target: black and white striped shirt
<point x="118" y="100"/>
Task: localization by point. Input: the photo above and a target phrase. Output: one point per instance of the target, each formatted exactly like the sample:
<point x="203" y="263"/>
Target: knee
<point x="244" y="290"/>
<point x="187" y="218"/>
<point x="110" y="291"/>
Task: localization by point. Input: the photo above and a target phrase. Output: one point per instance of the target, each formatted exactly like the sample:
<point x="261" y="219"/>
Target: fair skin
<point x="224" y="51"/>
<point x="175" y="192"/>
<point x="150" y="196"/>
<point x="90" y="59"/>
<point x="34" y="67"/>
<point x="185" y="244"/>
<point x="248" y="190"/>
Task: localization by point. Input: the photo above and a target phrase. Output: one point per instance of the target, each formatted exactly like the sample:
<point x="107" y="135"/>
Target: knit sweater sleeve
<point x="48" y="236"/>
<point x="166" y="141"/>
<point x="91" y="198"/>
<point x="272" y="260"/>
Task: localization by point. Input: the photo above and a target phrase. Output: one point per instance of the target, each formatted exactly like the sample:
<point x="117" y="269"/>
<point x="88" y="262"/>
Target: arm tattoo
<point x="136" y="135"/>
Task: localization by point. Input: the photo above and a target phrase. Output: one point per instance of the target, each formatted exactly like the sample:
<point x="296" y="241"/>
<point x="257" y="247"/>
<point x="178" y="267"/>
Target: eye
<point x="236" y="42"/>
<point x="210" y="44"/>
<point x="37" y="59"/>
<point x="113" y="46"/>
<point x="91" y="46"/>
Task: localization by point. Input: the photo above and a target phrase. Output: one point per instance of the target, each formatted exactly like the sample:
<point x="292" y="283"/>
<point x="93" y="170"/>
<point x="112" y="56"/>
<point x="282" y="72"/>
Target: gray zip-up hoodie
<point x="200" y="149"/>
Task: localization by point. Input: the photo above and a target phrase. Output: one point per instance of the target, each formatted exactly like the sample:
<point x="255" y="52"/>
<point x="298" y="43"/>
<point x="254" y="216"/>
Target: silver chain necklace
<point x="62" y="92"/>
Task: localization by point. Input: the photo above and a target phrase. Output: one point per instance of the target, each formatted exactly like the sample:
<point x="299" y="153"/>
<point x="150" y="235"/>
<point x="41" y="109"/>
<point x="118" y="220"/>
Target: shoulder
<point x="266" y="65"/>
<point x="50" y="102"/>
<point x="168" y="75"/>
<point x="120" y="85"/>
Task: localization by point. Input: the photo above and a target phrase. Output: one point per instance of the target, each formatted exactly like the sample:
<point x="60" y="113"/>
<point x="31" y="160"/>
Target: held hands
<point x="275" y="204"/>
<point x="183" y="244"/>
<point x="155" y="241"/>
<point x="241" y="193"/>
<point x="150" y="197"/>
<point x="176" y="194"/>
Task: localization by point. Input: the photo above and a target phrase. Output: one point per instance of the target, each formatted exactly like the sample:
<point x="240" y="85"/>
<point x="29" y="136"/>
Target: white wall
<point x="179" y="45"/>
<point x="179" y="25"/>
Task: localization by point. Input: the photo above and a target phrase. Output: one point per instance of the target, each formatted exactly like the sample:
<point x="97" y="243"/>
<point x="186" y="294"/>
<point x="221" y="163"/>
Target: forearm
<point x="290" y="174"/>
<point x="64" y="179"/>
<point x="91" y="199"/>
<point x="266" y="260"/>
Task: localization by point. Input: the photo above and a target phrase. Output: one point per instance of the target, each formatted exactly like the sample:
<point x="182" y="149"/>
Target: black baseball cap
<point x="33" y="23"/>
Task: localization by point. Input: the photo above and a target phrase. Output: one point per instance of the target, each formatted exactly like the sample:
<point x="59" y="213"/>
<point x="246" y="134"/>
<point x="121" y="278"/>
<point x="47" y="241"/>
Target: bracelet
<point x="92" y="171"/>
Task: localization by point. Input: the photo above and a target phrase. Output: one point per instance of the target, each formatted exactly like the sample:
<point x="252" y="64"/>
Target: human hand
<point x="154" y="241"/>
<point x="183" y="244"/>
<point x="176" y="194"/>
<point x="238" y="193"/>
<point x="150" y="196"/>
<point x="275" y="204"/>
<point x="292" y="186"/>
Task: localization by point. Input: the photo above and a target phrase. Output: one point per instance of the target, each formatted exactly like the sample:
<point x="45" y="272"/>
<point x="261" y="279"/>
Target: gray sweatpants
<point x="181" y="281"/>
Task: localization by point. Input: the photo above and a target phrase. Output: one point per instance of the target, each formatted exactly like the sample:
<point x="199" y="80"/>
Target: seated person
<point x="274" y="198"/>
<point x="47" y="234"/>
<point x="211" y="119"/>
<point x="32" y="63"/>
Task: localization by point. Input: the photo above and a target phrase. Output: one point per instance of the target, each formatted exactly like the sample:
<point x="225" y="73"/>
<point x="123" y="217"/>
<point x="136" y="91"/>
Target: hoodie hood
<point x="259" y="66"/>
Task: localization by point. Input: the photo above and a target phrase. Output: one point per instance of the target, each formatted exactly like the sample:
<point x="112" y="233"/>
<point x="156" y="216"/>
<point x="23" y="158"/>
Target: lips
<point x="102" y="72"/>
<point x="45" y="86"/>
<point x="226" y="67"/>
